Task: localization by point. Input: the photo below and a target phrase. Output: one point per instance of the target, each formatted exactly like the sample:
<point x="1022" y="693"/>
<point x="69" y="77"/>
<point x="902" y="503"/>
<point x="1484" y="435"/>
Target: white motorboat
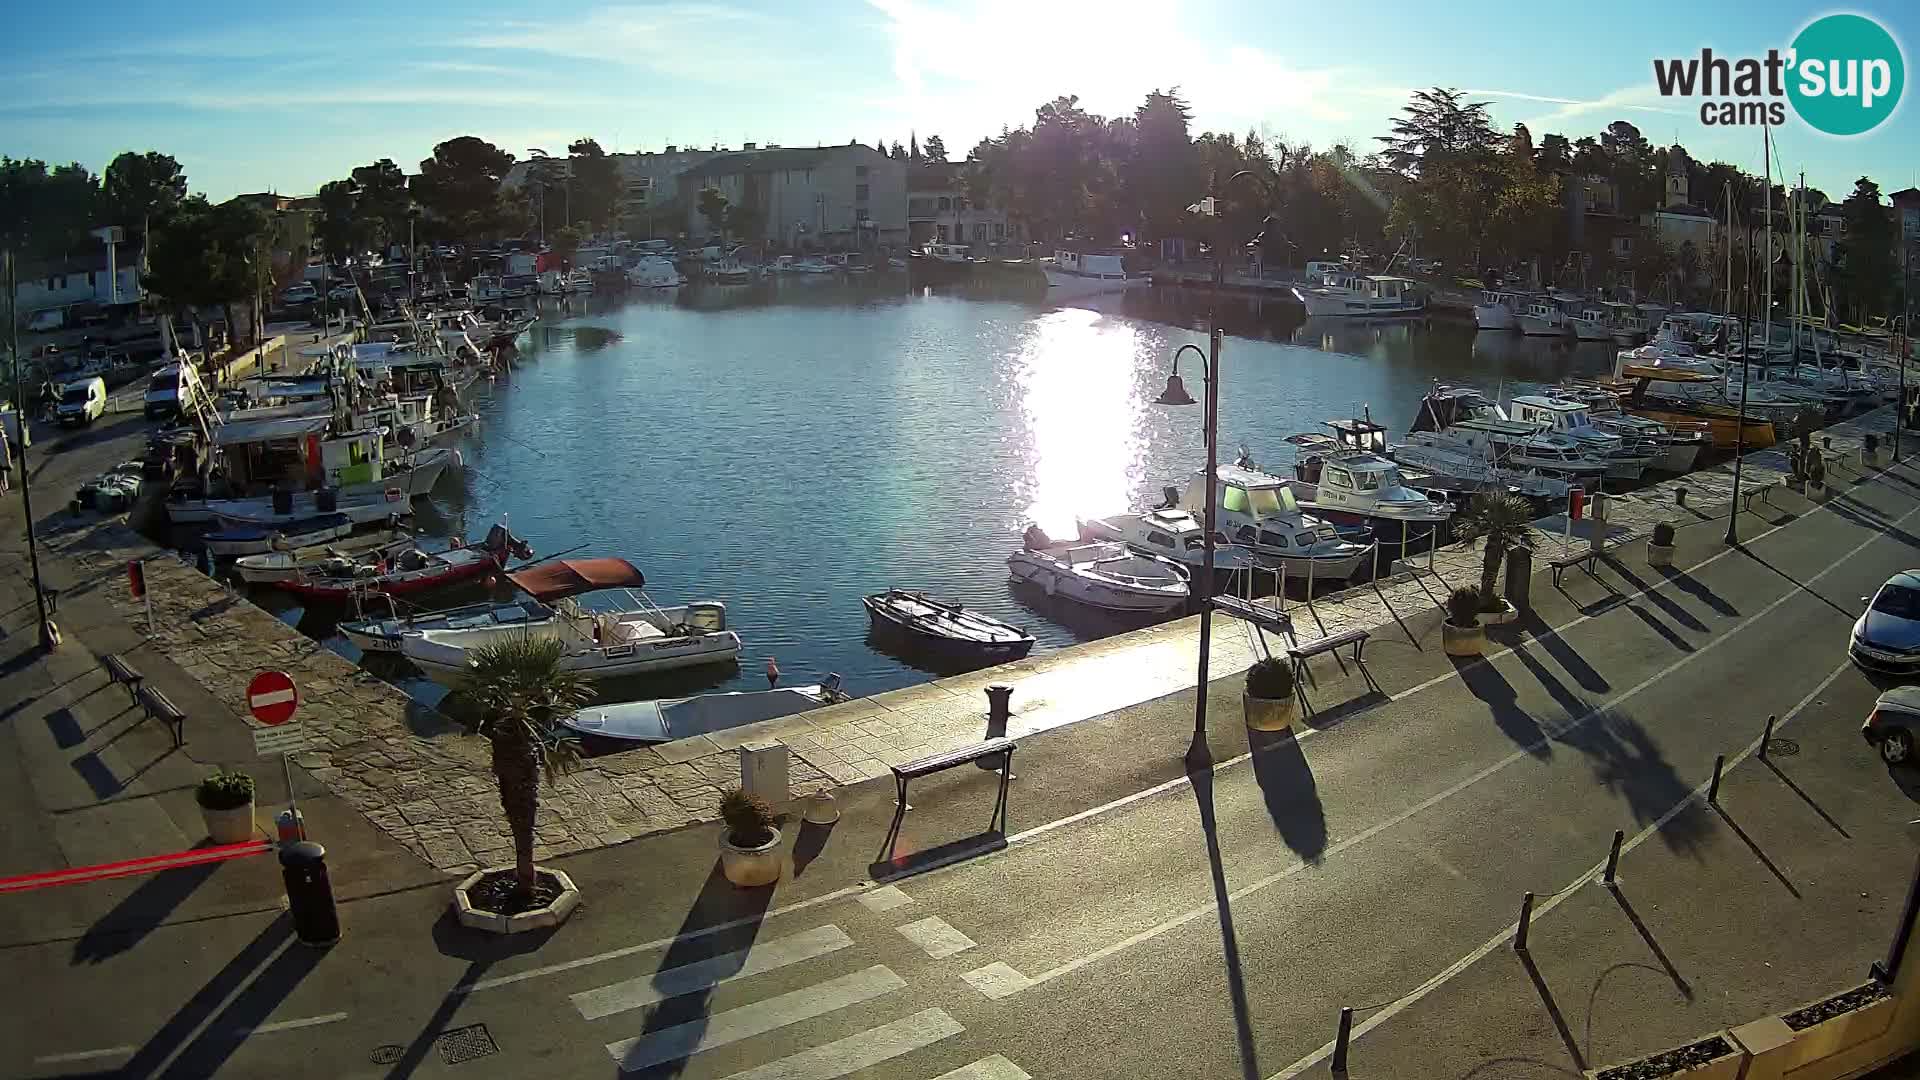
<point x="1625" y="459"/>
<point x="1346" y="478"/>
<point x="1463" y="413"/>
<point x="1175" y="534"/>
<point x="1345" y="294"/>
<point x="1451" y="461"/>
<point x="1074" y="274"/>
<point x="1496" y="310"/>
<point x="255" y="539"/>
<point x="1675" y="448"/>
<point x="639" y="639"/>
<point x="1259" y="512"/>
<point x="703" y="714"/>
<point x="1544" y="318"/>
<point x="1591" y="323"/>
<point x="366" y="508"/>
<point x="1102" y="574"/>
<point x="655" y="272"/>
<point x="384" y="635"/>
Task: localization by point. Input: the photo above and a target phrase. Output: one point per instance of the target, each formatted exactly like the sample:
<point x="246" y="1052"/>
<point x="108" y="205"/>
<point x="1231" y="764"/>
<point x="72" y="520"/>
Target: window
<point x="1267" y="501"/>
<point x="1159" y="538"/>
<point x="1338" y="477"/>
<point x="1245" y="533"/>
<point x="1235" y="501"/>
<point x="859" y="170"/>
<point x="90" y="279"/>
<point x="946" y="204"/>
<point x="1273" y="539"/>
<point x="943" y="233"/>
<point x="1898" y="601"/>
<point x="980" y="232"/>
<point x="1367" y="481"/>
<point x="859" y="193"/>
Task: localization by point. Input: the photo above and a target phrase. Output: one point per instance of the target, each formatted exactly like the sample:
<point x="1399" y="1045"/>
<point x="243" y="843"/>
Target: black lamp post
<point x="48" y="634"/>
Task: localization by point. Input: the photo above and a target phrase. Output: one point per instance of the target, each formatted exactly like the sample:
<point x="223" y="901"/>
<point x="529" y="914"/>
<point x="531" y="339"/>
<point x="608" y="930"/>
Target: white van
<point x="172" y="389"/>
<point x="82" y="402"/>
<point x="19" y="432"/>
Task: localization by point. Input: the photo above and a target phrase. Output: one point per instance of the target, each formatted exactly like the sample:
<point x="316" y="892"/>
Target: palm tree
<point x="1503" y="520"/>
<point x="523" y="697"/>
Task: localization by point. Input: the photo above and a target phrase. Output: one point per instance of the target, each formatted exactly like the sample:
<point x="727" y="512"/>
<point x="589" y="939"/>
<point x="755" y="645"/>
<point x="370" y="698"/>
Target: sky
<point x="285" y="97"/>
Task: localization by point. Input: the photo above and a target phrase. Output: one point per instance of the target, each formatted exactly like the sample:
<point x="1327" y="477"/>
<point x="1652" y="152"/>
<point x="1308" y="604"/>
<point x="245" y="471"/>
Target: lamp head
<point x="1175" y="393"/>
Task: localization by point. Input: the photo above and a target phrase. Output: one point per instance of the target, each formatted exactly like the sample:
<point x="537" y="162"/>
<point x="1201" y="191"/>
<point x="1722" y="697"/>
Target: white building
<point x="940" y="211"/>
<point x="827" y="197"/>
<point x="82" y="279"/>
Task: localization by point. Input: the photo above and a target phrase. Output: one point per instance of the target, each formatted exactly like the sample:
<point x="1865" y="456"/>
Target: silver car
<point x="1890" y="728"/>
<point x="1887" y="637"/>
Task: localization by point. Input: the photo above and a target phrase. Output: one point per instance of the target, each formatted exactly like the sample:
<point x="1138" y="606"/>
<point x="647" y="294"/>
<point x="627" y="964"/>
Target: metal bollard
<point x="999" y="709"/>
<point x="1526" y="921"/>
<point x="1613" y="858"/>
<point x="1680" y="496"/>
<point x="1767" y="735"/>
<point x="1340" y="1041"/>
<point x="1713" y="789"/>
<point x="309" y="893"/>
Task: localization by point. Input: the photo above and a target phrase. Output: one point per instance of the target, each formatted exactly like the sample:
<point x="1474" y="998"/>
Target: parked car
<point x="1891" y="726"/>
<point x="341" y="294"/>
<point x="1886" y="638"/>
<point x="302" y="293"/>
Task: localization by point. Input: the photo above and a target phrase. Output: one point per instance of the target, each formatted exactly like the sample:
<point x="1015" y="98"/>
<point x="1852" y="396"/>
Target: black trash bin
<point x="327" y="500"/>
<point x="1519" y="577"/>
<point x="282" y="501"/>
<point x="309" y="893"/>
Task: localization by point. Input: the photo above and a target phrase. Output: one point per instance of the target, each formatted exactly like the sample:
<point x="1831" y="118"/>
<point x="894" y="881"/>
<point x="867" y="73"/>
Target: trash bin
<point x="327" y="500"/>
<point x="309" y="893"/>
<point x="1519" y="578"/>
<point x="282" y="501"/>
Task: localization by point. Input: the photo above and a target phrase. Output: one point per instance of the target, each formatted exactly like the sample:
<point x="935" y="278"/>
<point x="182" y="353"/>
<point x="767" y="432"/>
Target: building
<point x="109" y="276"/>
<point x="649" y="200"/>
<point x="939" y="211"/>
<point x="804" y="199"/>
<point x="1906" y="219"/>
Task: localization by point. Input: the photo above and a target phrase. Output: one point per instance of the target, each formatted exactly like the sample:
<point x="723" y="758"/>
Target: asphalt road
<point x="1210" y="928"/>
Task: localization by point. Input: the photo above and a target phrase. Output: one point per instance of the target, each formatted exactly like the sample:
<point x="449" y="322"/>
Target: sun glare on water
<point x="1082" y="406"/>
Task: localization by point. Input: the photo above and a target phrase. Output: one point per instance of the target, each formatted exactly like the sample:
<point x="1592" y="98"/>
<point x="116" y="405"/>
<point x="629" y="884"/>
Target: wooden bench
<point x="926" y="766"/>
<point x="1763" y="492"/>
<point x="1300" y="651"/>
<point x="125" y="674"/>
<point x="1583" y="559"/>
<point x="159" y="707"/>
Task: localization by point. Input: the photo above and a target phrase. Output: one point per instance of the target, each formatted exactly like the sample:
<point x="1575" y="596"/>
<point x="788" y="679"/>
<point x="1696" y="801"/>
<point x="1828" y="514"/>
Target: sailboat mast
<point x="1766" y="299"/>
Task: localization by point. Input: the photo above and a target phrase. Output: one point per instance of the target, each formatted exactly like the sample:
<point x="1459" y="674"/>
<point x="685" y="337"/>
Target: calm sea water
<point x="788" y="448"/>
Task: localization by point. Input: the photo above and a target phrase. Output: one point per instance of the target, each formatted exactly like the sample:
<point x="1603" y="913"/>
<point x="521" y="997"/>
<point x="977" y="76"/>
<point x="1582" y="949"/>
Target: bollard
<point x="1713" y="789"/>
<point x="1680" y="496"/>
<point x="291" y="825"/>
<point x="999" y="709"/>
<point x="303" y="865"/>
<point x="1340" y="1041"/>
<point x="1767" y="735"/>
<point x="1613" y="858"/>
<point x="821" y="809"/>
<point x="1526" y="920"/>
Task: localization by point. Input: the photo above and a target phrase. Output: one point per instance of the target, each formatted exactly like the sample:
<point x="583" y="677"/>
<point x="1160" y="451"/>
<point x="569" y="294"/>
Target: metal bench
<point x="159" y="707"/>
<point x="926" y="766"/>
<point x="1763" y="492"/>
<point x="1300" y="651"/>
<point x="1582" y="559"/>
<point x="125" y="674"/>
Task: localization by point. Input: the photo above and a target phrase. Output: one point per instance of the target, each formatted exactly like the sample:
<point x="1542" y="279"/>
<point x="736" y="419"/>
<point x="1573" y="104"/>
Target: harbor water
<point x="790" y="446"/>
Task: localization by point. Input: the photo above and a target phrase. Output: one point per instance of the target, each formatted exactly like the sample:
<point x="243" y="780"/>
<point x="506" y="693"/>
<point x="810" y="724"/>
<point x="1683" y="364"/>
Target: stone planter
<point x="230" y="826"/>
<point x="1462" y="640"/>
<point x="550" y="914"/>
<point x="1716" y="1057"/>
<point x="1659" y="554"/>
<point x="1841" y="1033"/>
<point x="1268" y="714"/>
<point x="1506" y="614"/>
<point x="748" y="867"/>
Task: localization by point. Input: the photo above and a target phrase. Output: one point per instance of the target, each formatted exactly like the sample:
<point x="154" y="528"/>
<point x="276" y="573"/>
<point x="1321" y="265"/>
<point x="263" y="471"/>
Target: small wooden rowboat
<point x="947" y="630"/>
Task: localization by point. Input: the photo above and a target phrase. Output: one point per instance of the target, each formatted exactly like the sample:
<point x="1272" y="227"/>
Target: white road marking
<point x="85" y="1055"/>
<point x="884" y="898"/>
<point x="997" y="980"/>
<point x="1450" y="791"/>
<point x="856" y="1052"/>
<point x="987" y="1068"/>
<point x="719" y="1029"/>
<point x="711" y="972"/>
<point x="289" y="1025"/>
<point x="936" y="937"/>
<point x="1443" y="977"/>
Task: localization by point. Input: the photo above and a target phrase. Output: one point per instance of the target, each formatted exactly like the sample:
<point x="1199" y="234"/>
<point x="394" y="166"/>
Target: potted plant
<point x="1503" y="522"/>
<point x="1870" y="450"/>
<point x="749" y="839"/>
<point x="1816" y="467"/>
<point x="1660" y="545"/>
<point x="1268" y="697"/>
<point x="1461" y="634"/>
<point x="226" y="805"/>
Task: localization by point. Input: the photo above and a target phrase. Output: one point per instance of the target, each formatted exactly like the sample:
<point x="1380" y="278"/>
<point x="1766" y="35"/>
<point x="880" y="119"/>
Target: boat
<point x="1676" y="446"/>
<point x="1592" y="323"/>
<point x="1496" y="308"/>
<point x="412" y="570"/>
<point x="1103" y="574"/>
<point x="1177" y="534"/>
<point x="655" y="272"/>
<point x="1346" y="478"/>
<point x="276" y="566"/>
<point x="383" y="635"/>
<point x="1448" y="463"/>
<point x="640" y="639"/>
<point x="262" y="450"/>
<point x="946" y="630"/>
<point x="1343" y="293"/>
<point x="579" y="280"/>
<point x="703" y="714"/>
<point x="1074" y="274"/>
<point x="1544" y="318"/>
<point x="1464" y="414"/>
<point x="285" y="508"/>
<point x="255" y="539"/>
<point x="1625" y="458"/>
<point x="940" y="263"/>
<point x="1259" y="512"/>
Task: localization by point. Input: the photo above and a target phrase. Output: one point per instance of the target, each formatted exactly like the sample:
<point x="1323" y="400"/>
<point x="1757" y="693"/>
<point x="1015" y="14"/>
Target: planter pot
<point x="750" y="866"/>
<point x="1506" y="614"/>
<point x="1839" y="1044"/>
<point x="1462" y="640"/>
<point x="234" y="826"/>
<point x="1268" y="714"/>
<point x="1716" y="1057"/>
<point x="1796" y="485"/>
<point x="552" y="913"/>
<point x="1659" y="554"/>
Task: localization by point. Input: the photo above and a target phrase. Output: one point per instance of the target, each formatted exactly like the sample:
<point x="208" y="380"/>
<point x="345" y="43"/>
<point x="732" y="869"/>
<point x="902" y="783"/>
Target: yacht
<point x="1073" y="274"/>
<point x="1259" y="512"/>
<point x="1624" y="460"/>
<point x="1346" y="294"/>
<point x="1677" y="446"/>
<point x="1103" y="575"/>
<point x="1496" y="310"/>
<point x="1449" y="461"/>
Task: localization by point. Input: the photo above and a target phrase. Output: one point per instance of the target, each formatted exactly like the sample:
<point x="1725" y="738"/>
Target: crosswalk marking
<point x="884" y="898"/>
<point x="997" y="980"/>
<point x="936" y="937"/>
<point x="856" y="1052"/>
<point x="987" y="1068"/>
<point x="719" y="1029"/>
<point x="704" y="974"/>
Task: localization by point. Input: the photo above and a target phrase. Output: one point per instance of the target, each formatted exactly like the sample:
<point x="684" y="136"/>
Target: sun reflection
<point x="1080" y="394"/>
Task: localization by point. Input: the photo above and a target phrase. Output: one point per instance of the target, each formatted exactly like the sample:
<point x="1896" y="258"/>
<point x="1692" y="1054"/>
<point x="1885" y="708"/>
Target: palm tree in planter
<point x="523" y="696"/>
<point x="1461" y="634"/>
<point x="1268" y="698"/>
<point x="1503" y="521"/>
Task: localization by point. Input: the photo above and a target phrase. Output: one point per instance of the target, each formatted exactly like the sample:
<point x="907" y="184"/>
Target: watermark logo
<point x="1843" y="75"/>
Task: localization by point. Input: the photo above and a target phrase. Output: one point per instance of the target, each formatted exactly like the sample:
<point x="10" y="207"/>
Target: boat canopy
<point x="562" y="578"/>
<point x="237" y="432"/>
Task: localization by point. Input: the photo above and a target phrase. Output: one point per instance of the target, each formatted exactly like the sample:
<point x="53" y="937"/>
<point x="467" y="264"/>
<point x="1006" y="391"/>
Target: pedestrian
<point x="6" y="458"/>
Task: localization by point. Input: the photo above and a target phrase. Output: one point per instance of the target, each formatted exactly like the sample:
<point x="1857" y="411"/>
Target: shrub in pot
<point x="226" y="805"/>
<point x="1660" y="545"/>
<point x="1268" y="699"/>
<point x="749" y="839"/>
<point x="1870" y="449"/>
<point x="1816" y="468"/>
<point x="1461" y="634"/>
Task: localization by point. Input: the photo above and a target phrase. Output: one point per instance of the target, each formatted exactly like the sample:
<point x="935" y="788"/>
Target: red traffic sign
<point x="272" y="697"/>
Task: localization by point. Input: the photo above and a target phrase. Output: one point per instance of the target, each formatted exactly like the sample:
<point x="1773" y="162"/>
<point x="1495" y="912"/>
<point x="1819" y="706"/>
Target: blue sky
<point x="285" y="97"/>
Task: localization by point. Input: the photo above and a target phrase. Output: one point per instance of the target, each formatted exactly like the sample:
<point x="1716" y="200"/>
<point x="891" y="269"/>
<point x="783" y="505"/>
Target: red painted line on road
<point x="150" y="864"/>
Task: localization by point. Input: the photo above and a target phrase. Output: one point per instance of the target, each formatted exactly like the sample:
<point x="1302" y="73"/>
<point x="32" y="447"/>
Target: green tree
<point x="524" y="697"/>
<point x="1503" y="522"/>
<point x="139" y="188"/>
<point x="1163" y="172"/>
<point x="186" y="265"/>
<point x="596" y="183"/>
<point x="936" y="149"/>
<point x="1866" y="268"/>
<point x="460" y="184"/>
<point x="898" y="152"/>
<point x="1438" y="126"/>
<point x="241" y="232"/>
<point x="46" y="212"/>
<point x="1555" y="153"/>
<point x="713" y="207"/>
<point x="381" y="202"/>
<point x="336" y="226"/>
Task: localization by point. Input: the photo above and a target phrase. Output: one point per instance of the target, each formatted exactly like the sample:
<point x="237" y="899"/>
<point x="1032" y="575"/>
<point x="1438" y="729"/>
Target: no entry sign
<point x="272" y="698"/>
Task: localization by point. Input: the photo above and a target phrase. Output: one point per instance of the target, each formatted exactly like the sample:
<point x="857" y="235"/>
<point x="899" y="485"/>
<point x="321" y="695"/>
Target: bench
<point x="1763" y="492"/>
<point x="159" y="707"/>
<point x="1300" y="651"/>
<point x="1583" y="559"/>
<point x="980" y="751"/>
<point x="119" y="671"/>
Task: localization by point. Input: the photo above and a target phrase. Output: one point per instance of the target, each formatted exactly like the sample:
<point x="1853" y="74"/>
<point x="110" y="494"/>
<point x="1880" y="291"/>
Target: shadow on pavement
<point x="481" y="950"/>
<point x="1575" y="705"/>
<point x="1795" y="582"/>
<point x="1695" y="588"/>
<point x="1200" y="777"/>
<point x="1653" y="945"/>
<point x="808" y="844"/>
<point x="1679" y="643"/>
<point x="1553" y="1010"/>
<point x="1626" y="760"/>
<point x="1485" y="682"/>
<point x="1804" y="797"/>
<point x="1563" y="653"/>
<point x="1756" y="849"/>
<point x="143" y="910"/>
<point x="1860" y="514"/>
<point x="1287" y="787"/>
<point x="1653" y="596"/>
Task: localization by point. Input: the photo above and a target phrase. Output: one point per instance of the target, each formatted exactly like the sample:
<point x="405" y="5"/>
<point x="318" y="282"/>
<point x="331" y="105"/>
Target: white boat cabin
<point x="1259" y="509"/>
<point x="1559" y="415"/>
<point x="1106" y="267"/>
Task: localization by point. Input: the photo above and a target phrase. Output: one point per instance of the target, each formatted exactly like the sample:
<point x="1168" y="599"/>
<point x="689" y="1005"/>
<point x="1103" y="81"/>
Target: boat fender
<point x="1048" y="585"/>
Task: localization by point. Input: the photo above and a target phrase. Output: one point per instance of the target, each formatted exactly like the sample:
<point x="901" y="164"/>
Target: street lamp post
<point x="48" y="634"/>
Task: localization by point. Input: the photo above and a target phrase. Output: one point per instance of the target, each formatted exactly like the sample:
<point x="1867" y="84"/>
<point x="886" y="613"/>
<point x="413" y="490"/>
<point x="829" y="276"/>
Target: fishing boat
<point x="946" y="630"/>
<point x="1706" y="402"/>
<point x="1074" y="274"/>
<point x="683" y="718"/>
<point x="413" y="570"/>
<point x="383" y="635"/>
<point x="1343" y="293"/>
<point x="285" y="508"/>
<point x="641" y="639"/>
<point x="1544" y="317"/>
<point x="1346" y="478"/>
<point x="338" y="557"/>
<point x="1174" y="533"/>
<point x="1496" y="310"/>
<point x="1103" y="575"/>
<point x="1259" y="512"/>
<point x="254" y="539"/>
